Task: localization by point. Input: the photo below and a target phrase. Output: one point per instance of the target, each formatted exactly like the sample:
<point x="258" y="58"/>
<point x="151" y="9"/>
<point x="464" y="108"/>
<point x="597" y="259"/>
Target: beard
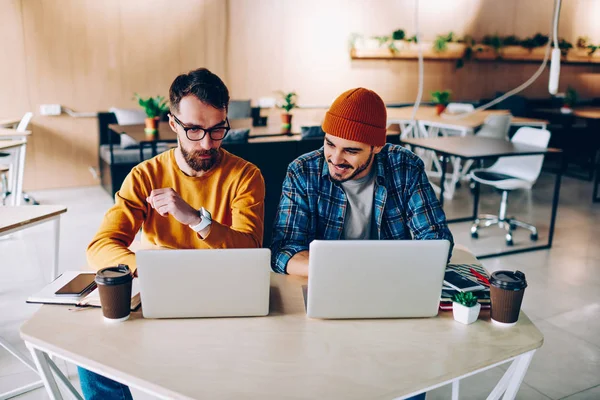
<point x="358" y="170"/>
<point x="195" y="162"/>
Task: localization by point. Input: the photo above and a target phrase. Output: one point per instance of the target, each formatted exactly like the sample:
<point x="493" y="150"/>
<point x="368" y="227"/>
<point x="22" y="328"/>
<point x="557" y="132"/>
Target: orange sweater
<point x="233" y="192"/>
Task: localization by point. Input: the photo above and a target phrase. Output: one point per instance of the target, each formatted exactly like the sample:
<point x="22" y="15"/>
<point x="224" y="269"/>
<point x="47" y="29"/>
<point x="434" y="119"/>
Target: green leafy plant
<point x="441" y="42"/>
<point x="467" y="299"/>
<point x="153" y="106"/>
<point x="354" y="37"/>
<point x="564" y="46"/>
<point x="288" y="102"/>
<point x="583" y="42"/>
<point x="382" y="40"/>
<point x="469" y="43"/>
<point x="494" y="41"/>
<point x="571" y="97"/>
<point x="398" y="34"/>
<point x="538" y="40"/>
<point x="511" y="40"/>
<point x="592" y="49"/>
<point x="413" y="39"/>
<point x="441" y="97"/>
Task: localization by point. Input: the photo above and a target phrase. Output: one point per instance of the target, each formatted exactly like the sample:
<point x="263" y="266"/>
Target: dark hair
<point x="203" y="84"/>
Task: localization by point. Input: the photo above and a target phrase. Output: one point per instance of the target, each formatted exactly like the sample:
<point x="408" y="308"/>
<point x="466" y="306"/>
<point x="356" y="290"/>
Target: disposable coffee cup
<point x="506" y="293"/>
<point x="114" y="286"/>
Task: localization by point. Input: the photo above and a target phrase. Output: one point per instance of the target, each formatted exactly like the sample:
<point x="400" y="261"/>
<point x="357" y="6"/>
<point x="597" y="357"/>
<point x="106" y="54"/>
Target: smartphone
<point x="459" y="282"/>
<point x="77" y="286"/>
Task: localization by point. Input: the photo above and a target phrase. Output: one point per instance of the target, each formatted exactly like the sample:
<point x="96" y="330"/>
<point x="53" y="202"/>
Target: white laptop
<point x="204" y="283"/>
<point x="375" y="278"/>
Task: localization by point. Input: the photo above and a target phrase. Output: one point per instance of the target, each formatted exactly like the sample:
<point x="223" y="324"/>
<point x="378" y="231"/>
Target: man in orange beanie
<point x="355" y="187"/>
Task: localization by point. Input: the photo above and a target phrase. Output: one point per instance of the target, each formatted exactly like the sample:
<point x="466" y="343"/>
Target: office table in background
<point x="284" y="354"/>
<point x="16" y="218"/>
<point x="480" y="148"/>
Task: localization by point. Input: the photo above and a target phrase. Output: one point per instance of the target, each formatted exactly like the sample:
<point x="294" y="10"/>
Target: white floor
<point x="563" y="296"/>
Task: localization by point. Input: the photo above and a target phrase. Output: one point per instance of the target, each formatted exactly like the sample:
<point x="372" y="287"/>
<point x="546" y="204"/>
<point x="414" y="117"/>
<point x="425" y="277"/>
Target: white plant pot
<point x="465" y="315"/>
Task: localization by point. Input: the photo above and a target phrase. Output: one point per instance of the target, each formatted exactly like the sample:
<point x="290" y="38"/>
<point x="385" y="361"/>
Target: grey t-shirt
<point x="358" y="222"/>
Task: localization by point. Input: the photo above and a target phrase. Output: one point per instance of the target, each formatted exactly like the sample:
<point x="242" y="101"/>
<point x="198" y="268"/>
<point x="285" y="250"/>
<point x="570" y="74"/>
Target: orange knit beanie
<point x="358" y="115"/>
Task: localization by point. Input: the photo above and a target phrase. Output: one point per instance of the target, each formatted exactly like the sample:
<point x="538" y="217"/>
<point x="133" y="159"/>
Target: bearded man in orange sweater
<point x="196" y="196"/>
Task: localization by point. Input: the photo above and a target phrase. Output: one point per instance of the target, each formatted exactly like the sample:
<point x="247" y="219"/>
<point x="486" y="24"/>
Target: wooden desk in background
<point x="13" y="219"/>
<point x="9" y="123"/>
<point x="284" y="354"/>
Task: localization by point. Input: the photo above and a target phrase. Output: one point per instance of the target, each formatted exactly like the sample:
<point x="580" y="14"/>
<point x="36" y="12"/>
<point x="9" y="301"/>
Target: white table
<point x="9" y="123"/>
<point x="429" y="124"/>
<point x="16" y="218"/>
<point x="282" y="355"/>
<point x="11" y="139"/>
<point x="13" y="219"/>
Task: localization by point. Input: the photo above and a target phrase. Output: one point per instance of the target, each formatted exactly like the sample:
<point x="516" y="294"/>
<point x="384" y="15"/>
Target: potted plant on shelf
<point x="465" y="307"/>
<point x="287" y="103"/>
<point x="569" y="101"/>
<point x="441" y="100"/>
<point x="154" y="107"/>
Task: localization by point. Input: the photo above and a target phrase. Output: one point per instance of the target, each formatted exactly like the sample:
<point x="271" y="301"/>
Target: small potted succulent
<point x="465" y="307"/>
<point x="569" y="101"/>
<point x="154" y="107"/>
<point x="287" y="103"/>
<point x="441" y="100"/>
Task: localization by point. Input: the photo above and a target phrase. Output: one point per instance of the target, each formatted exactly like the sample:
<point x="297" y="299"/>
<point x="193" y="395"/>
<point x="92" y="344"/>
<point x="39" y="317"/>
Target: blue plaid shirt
<point x="313" y="206"/>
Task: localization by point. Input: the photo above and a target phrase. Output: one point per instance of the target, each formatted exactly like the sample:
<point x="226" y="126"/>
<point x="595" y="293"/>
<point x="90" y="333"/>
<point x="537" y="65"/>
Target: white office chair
<point x="495" y="126"/>
<point x="4" y="188"/>
<point x="511" y="173"/>
<point x="24" y="123"/>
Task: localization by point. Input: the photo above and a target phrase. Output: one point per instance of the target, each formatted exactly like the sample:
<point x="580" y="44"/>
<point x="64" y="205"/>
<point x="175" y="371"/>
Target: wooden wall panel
<point x="303" y="46"/>
<point x="14" y="99"/>
<point x="89" y="55"/>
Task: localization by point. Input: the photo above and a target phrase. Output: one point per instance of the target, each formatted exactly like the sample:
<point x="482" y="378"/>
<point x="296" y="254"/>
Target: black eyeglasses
<point x="195" y="133"/>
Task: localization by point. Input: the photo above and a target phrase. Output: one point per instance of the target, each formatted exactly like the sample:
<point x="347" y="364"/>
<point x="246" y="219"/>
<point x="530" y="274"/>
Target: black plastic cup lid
<point x="508" y="280"/>
<point x="114" y="275"/>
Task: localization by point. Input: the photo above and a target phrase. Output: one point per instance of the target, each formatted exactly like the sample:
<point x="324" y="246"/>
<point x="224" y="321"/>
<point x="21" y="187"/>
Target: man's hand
<point x="167" y="201"/>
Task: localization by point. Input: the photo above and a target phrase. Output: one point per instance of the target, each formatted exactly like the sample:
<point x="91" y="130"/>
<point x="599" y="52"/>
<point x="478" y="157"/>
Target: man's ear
<point x="377" y="149"/>
<point x="172" y="123"/>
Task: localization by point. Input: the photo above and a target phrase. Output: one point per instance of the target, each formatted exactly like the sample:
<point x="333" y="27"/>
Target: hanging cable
<point x="420" y="52"/>
<point x="540" y="70"/>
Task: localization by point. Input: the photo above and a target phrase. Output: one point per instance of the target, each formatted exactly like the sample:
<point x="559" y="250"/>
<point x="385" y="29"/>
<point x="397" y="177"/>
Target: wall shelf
<point x="455" y="51"/>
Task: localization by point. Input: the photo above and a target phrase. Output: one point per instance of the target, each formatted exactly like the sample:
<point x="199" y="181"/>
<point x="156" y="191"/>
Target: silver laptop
<point x="375" y="278"/>
<point x="204" y="283"/>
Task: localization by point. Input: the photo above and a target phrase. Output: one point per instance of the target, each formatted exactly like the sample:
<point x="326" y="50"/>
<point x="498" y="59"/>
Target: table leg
<point x="595" y="196"/>
<point x="522" y="363"/>
<point x="45" y="368"/>
<point x="455" y="389"/>
<point x="56" y="224"/>
<point x="476" y="200"/>
<point x="154" y="149"/>
<point x="41" y="360"/>
<point x="444" y="162"/>
<point x="556" y="197"/>
<point x="141" y="152"/>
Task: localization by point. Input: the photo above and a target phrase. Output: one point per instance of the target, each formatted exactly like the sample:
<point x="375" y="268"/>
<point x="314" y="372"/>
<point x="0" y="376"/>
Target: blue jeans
<point x="98" y="387"/>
